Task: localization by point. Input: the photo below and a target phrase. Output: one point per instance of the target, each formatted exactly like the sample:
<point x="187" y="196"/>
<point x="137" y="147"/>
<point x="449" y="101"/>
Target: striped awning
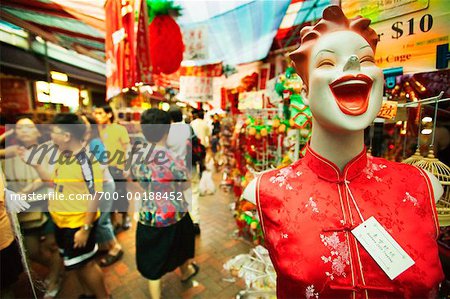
<point x="299" y="14"/>
<point x="244" y="34"/>
<point x="54" y="23"/>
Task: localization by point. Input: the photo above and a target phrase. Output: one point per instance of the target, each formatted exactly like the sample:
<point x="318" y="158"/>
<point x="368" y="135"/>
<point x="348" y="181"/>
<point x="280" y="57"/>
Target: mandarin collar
<point x="328" y="171"/>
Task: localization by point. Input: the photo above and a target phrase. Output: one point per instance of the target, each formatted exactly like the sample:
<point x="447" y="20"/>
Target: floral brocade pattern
<point x="307" y="222"/>
<point x="339" y="255"/>
<point x="282" y="176"/>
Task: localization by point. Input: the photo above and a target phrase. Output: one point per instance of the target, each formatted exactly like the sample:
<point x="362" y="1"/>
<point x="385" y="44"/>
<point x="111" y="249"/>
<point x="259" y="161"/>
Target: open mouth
<point x="351" y="93"/>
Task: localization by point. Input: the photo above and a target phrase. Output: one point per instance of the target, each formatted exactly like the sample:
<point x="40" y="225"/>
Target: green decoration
<point x="289" y="72"/>
<point x="300" y="113"/>
<point x="162" y="7"/>
<point x="279" y="88"/>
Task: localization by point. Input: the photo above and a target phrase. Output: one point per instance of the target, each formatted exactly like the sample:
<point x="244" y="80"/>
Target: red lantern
<point x="166" y="44"/>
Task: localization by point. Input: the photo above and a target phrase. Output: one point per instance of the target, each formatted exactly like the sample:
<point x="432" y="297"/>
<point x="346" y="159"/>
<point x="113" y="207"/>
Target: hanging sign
<point x="388" y="110"/>
<point x="143" y="64"/>
<point x="208" y="70"/>
<point x="198" y="89"/>
<point x="119" y="47"/>
<point x="195" y="41"/>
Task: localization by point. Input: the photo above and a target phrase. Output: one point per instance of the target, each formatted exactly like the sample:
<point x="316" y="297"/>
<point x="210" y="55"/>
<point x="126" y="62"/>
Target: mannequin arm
<point x="437" y="187"/>
<point x="249" y="193"/>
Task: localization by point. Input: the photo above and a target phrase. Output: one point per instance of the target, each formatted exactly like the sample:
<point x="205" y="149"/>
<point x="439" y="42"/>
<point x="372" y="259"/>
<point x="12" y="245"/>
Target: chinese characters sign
<point x="195" y="41"/>
<point x="388" y="110"/>
<point x="209" y="70"/>
<point x="198" y="89"/>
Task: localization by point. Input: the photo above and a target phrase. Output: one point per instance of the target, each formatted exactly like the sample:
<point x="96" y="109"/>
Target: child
<point x="207" y="186"/>
<point x="165" y="236"/>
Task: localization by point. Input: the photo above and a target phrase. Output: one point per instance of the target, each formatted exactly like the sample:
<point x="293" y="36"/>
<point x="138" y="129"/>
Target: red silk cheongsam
<point x="307" y="214"/>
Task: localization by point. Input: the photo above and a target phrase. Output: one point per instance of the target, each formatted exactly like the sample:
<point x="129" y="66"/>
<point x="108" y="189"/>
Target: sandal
<point x="110" y="259"/>
<point x="53" y="293"/>
<point x="196" y="269"/>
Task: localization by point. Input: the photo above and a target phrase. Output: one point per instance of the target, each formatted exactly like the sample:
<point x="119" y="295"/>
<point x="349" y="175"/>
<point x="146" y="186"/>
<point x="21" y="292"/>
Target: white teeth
<point x="350" y="82"/>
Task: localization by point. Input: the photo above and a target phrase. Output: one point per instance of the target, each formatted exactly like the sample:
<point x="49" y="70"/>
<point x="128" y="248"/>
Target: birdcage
<point x="442" y="173"/>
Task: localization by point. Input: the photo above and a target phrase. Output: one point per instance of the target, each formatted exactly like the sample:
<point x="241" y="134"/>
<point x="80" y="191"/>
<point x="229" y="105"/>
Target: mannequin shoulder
<point x="437" y="187"/>
<point x="249" y="193"/>
<point x="402" y="168"/>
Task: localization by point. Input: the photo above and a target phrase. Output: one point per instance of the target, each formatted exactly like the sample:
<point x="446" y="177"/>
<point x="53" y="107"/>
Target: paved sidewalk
<point x="214" y="247"/>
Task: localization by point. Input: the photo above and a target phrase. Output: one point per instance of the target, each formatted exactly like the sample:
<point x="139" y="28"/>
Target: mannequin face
<point x="345" y="85"/>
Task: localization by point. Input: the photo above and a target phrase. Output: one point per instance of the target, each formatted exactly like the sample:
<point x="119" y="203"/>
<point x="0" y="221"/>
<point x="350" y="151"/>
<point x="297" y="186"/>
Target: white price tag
<point x="386" y="252"/>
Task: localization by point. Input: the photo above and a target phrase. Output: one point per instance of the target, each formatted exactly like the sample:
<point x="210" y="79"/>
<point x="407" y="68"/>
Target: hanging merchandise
<point x="166" y="42"/>
<point x="257" y="270"/>
<point x="119" y="49"/>
<point x="289" y="86"/>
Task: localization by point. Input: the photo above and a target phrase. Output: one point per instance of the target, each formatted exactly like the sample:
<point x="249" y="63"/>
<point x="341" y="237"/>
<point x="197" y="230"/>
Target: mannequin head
<point x="336" y="62"/>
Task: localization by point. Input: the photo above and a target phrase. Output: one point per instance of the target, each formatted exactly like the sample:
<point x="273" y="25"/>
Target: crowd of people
<point x="66" y="235"/>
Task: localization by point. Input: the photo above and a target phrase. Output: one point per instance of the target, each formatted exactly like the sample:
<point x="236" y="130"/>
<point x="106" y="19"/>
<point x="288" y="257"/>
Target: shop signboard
<point x="380" y="10"/>
<point x="197" y="89"/>
<point x="15" y="95"/>
<point x="57" y="94"/>
<point x="195" y="43"/>
<point x="409" y="34"/>
<point x="208" y="70"/>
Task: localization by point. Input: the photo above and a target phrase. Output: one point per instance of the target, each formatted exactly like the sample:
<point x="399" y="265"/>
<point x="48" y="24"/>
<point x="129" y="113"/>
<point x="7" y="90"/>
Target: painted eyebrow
<point x="324" y="50"/>
<point x="363" y="47"/>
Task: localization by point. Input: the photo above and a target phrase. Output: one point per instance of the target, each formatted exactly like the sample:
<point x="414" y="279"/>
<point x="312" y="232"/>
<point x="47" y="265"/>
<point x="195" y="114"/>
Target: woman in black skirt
<point x="165" y="236"/>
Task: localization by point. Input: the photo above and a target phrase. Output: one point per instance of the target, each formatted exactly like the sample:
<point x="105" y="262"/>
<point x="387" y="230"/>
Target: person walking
<point x="106" y="238"/>
<point x="36" y="226"/>
<point x="117" y="142"/>
<point x="75" y="175"/>
<point x="180" y="141"/>
<point x="165" y="236"/>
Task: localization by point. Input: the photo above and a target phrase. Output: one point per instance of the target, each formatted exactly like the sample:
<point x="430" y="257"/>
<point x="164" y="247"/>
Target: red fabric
<point x="166" y="44"/>
<point x="129" y="74"/>
<point x="307" y="214"/>
<point x="114" y="53"/>
<point x="143" y="62"/>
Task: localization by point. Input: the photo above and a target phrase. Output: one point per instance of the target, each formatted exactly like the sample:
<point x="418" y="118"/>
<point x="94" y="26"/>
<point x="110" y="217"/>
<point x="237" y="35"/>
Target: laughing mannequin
<point x="308" y="209"/>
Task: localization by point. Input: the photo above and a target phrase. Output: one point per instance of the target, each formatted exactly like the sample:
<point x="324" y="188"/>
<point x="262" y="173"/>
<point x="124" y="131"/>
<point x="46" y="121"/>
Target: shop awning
<point x="16" y="61"/>
<point x="19" y="62"/>
<point x="244" y="34"/>
<point x="78" y="75"/>
<point x="54" y="23"/>
<point x="298" y="14"/>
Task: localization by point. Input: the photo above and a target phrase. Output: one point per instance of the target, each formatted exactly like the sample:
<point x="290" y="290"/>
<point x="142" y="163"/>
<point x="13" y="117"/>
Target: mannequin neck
<point x="337" y="147"/>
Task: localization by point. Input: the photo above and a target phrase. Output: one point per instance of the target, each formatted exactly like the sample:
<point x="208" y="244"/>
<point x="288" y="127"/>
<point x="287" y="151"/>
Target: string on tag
<point x="346" y="183"/>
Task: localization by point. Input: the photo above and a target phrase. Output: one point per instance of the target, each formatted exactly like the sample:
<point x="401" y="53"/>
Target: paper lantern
<point x="166" y="44"/>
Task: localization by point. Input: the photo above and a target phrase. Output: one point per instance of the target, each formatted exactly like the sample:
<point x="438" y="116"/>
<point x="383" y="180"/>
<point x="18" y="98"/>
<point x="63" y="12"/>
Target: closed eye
<point x="369" y="59"/>
<point x="325" y="63"/>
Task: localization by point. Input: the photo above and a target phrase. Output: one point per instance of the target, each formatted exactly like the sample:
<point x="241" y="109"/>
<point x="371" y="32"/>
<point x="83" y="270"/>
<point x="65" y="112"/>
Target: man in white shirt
<point x="201" y="127"/>
<point x="177" y="141"/>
